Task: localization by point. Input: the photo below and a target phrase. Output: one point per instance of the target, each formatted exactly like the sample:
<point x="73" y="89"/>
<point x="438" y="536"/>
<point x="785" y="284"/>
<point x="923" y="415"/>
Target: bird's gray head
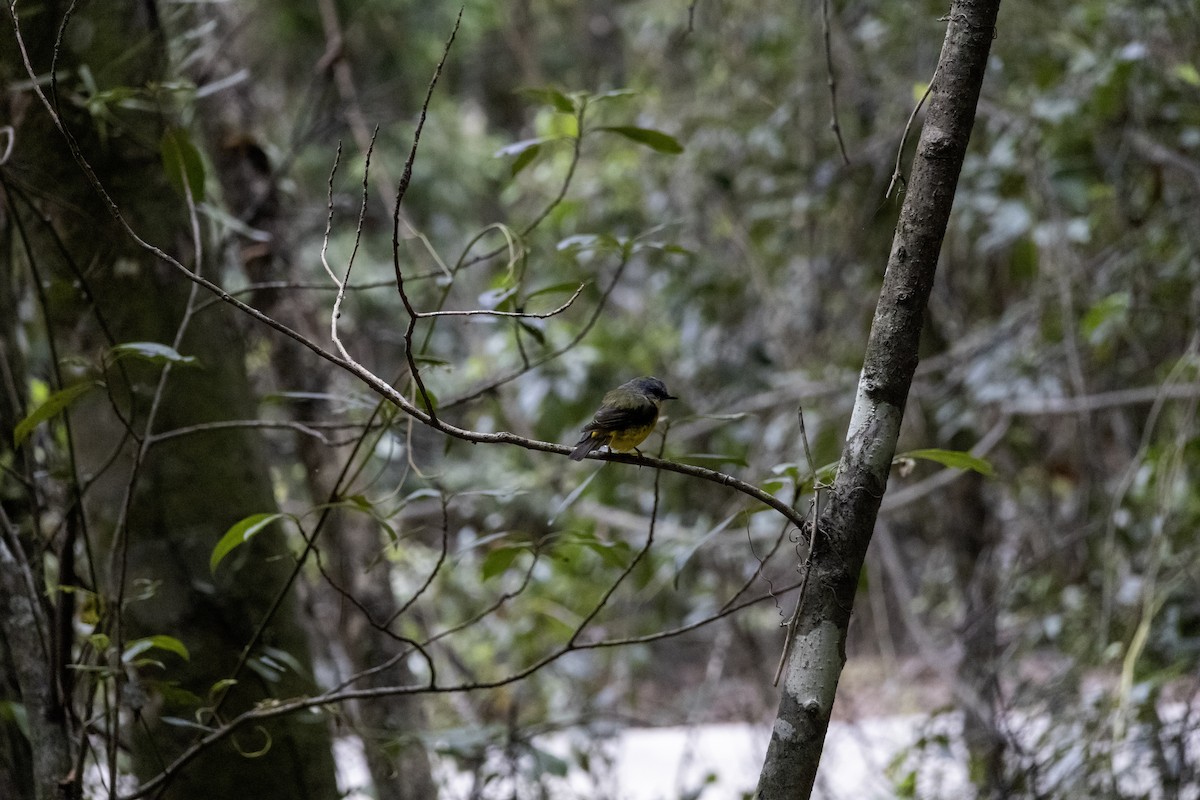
<point x="652" y="387"/>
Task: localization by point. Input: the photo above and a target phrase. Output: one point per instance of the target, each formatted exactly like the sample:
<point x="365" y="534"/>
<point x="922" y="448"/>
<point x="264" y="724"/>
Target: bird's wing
<point x="609" y="418"/>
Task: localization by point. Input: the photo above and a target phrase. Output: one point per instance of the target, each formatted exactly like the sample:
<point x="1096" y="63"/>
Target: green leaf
<point x="598" y="242"/>
<point x="524" y="160"/>
<point x="715" y="458"/>
<point x="281" y="658"/>
<point x="172" y="694"/>
<point x="666" y="247"/>
<point x="533" y="330"/>
<point x="545" y="762"/>
<point x="161" y="642"/>
<point x="523" y="146"/>
<point x="180" y="722"/>
<point x="568" y="287"/>
<point x="493" y="299"/>
<point x="182" y="162"/>
<point x="219" y="688"/>
<point x="682" y="559"/>
<point x="14" y="712"/>
<point x="419" y="398"/>
<point x="54" y="405"/>
<point x="957" y="459"/>
<point x="1187" y="73"/>
<point x="551" y="97"/>
<point x="611" y="553"/>
<point x="359" y="502"/>
<point x="498" y="561"/>
<point x="152" y="352"/>
<point x="614" y="94"/>
<point x="1107" y="312"/>
<point x="655" y="140"/>
<point x="239" y="534"/>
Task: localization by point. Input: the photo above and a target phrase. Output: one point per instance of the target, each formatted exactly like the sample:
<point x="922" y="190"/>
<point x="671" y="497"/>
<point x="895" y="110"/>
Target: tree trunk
<point x="388" y="726"/>
<point x="189" y="489"/>
<point x="817" y="654"/>
<point x="973" y="541"/>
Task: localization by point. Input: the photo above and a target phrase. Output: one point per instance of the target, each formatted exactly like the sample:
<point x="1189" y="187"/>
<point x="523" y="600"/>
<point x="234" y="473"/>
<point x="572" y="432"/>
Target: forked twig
<point x="897" y="177"/>
<point x="834" y="124"/>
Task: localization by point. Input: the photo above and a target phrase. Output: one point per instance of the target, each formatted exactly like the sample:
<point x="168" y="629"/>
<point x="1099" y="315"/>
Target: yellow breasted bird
<point x="625" y="417"/>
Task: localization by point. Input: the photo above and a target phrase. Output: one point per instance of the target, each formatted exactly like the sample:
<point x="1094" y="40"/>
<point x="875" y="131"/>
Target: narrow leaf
<point x="719" y="458"/>
<point x="219" y="688"/>
<point x="588" y="241"/>
<point x="682" y="559"/>
<point x="521" y="147"/>
<point x="498" y="561"/>
<point x="180" y="722"/>
<point x="524" y="160"/>
<point x="52" y="407"/>
<point x="182" y="162"/>
<point x="153" y="352"/>
<point x="551" y="97"/>
<point x="530" y="329"/>
<point x="614" y="94"/>
<point x="957" y="459"/>
<point x="655" y="140"/>
<point x="1188" y="74"/>
<point x="161" y="642"/>
<point x="557" y="288"/>
<point x="239" y="534"/>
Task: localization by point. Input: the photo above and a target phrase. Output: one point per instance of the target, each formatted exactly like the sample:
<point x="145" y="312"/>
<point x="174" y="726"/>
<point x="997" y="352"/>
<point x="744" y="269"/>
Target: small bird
<point x="625" y="418"/>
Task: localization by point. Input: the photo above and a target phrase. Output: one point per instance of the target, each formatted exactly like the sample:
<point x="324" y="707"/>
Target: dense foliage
<point x="677" y="162"/>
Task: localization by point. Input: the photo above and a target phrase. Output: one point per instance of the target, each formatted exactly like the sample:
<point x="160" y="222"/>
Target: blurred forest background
<point x="677" y="160"/>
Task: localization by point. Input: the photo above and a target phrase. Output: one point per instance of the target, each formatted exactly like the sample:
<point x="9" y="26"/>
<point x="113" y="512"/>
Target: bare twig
<point x="401" y="190"/>
<point x="496" y="383"/>
<point x="812" y="543"/>
<point x="437" y="567"/>
<point x="633" y="562"/>
<point x="1141" y="395"/>
<point x="897" y="174"/>
<point x="576" y="154"/>
<point x="490" y="609"/>
<point x="334" y="60"/>
<point x="307" y="428"/>
<point x="834" y="124"/>
<point x="487" y="312"/>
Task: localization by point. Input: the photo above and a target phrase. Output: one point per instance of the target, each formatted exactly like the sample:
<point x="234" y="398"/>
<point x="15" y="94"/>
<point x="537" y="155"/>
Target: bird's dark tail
<point x="586" y="445"/>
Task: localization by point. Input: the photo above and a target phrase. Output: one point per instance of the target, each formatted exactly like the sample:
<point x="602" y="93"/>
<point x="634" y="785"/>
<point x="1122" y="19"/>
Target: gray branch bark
<point x="817" y="653"/>
<point x="24" y="627"/>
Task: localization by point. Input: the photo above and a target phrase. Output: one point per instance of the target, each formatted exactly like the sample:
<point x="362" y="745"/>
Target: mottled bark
<point x="26" y="635"/>
<point x="817" y="654"/>
<point x="16" y="758"/>
<point x="388" y="726"/>
<point x="188" y="490"/>
<point x="973" y="540"/>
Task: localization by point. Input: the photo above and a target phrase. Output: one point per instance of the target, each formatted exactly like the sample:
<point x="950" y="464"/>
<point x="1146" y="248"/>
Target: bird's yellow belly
<point x="629" y="438"/>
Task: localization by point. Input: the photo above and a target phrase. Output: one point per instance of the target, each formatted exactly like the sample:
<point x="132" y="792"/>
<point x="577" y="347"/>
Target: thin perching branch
<point x="401" y="190"/>
<point x="834" y="124"/>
